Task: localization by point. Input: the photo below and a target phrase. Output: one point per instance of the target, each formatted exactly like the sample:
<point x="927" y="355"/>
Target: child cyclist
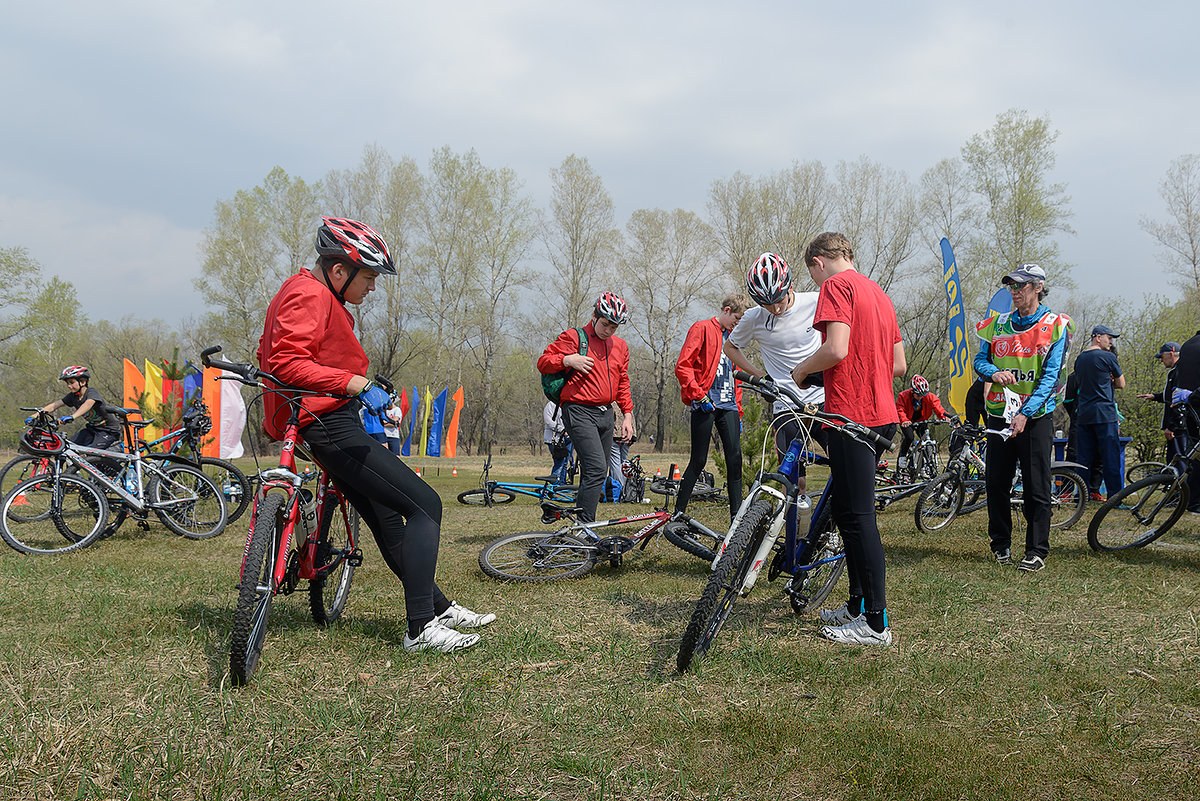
<point x="915" y="407"/>
<point x="101" y="428"/>
<point x="308" y="341"/>
<point x="706" y="384"/>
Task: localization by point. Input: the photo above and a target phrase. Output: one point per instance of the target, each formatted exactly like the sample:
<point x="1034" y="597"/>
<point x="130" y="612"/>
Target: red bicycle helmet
<point x="769" y="279"/>
<point x="919" y="385"/>
<point x="612" y="307"/>
<point x="40" y="442"/>
<point x="77" y="371"/>
<point x="358" y="242"/>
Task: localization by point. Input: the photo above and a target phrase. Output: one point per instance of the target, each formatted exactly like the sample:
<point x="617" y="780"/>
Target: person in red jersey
<point x="861" y="352"/>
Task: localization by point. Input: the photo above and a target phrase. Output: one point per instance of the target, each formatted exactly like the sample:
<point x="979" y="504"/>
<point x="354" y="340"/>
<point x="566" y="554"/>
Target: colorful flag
<point x="154" y="398"/>
<point x="212" y="389"/>
<point x="961" y="375"/>
<point x="452" y="429"/>
<point x="233" y="419"/>
<point x="1001" y="303"/>
<point x="434" y="445"/>
<point x="425" y="422"/>
<point x="191" y="383"/>
<point x="134" y="386"/>
<point x="412" y="426"/>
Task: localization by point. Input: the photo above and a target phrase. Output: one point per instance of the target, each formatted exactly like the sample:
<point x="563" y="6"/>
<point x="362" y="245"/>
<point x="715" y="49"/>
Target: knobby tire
<point x="256" y="590"/>
<point x="535" y="556"/>
<point x="1138" y="514"/>
<point x="327" y="594"/>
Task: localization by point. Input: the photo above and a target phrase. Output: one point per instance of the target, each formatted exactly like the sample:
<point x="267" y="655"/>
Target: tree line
<point x="487" y="277"/>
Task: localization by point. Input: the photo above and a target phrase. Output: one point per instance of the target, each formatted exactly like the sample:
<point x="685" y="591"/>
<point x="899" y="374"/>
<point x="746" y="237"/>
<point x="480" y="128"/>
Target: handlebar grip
<point x="247" y="371"/>
<point x="883" y="442"/>
<point x="746" y="378"/>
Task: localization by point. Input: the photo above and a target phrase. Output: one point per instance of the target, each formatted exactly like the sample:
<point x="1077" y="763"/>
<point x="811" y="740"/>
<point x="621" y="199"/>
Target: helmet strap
<point x="340" y="294"/>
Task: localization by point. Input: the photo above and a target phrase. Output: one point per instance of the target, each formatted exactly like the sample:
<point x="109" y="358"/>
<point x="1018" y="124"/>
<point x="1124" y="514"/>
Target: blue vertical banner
<point x="433" y="445"/>
<point x="1001" y="303"/>
<point x="407" y="446"/>
<point x="960" y="354"/>
<point x="193" y="384"/>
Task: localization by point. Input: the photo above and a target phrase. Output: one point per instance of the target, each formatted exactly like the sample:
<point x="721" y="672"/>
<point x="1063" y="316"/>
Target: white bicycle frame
<point x="75" y="455"/>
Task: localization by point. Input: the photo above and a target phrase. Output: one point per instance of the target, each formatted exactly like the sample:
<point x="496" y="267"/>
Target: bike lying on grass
<point x="492" y="493"/>
<point x="813" y="560"/>
<point x="323" y="528"/>
<point x="65" y="507"/>
<point x="705" y="489"/>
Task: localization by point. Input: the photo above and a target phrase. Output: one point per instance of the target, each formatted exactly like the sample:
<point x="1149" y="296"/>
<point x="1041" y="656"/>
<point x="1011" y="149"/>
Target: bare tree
<point x="1180" y="235"/>
<point x="877" y="211"/>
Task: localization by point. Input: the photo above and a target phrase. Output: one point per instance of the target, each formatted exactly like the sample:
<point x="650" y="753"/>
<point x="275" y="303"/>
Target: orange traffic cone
<point x="20" y="500"/>
<point x="454" y="472"/>
<point x="658" y="473"/>
<point x="677" y="477"/>
<point x="418" y="472"/>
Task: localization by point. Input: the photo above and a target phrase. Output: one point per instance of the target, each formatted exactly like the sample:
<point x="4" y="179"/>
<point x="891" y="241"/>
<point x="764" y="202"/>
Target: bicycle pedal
<point x="355" y="559"/>
<point x="615" y="546"/>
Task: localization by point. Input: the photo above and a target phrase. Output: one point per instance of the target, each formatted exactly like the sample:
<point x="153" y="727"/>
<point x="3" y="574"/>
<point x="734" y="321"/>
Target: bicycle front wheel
<point x="45" y="515"/>
<point x="939" y="502"/>
<point x="535" y="556"/>
<point x="256" y="590"/>
<point x="1139" y="514"/>
<point x="816" y="583"/>
<point x="21" y="468"/>
<point x="664" y="486"/>
<point x="327" y="594"/>
<point x="484" y="497"/>
<point x="1143" y="470"/>
<point x="187" y="501"/>
<point x="724" y="583"/>
<point x="1068" y="497"/>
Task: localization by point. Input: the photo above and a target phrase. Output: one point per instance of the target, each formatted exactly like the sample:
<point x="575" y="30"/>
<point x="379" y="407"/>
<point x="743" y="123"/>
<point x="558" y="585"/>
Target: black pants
<point x="729" y="428"/>
<point x="907" y="434"/>
<point x="1031" y="449"/>
<point x="852" y="481"/>
<point x="591" y="430"/>
<point x="402" y="511"/>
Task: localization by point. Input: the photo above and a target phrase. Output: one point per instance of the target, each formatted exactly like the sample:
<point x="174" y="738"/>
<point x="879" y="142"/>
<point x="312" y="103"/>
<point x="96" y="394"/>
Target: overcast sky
<point x="124" y="122"/>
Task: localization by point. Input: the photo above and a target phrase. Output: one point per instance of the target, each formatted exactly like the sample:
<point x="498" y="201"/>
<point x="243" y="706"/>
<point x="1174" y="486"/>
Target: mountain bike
<point x="323" y="527"/>
<point x="492" y="493"/>
<point x="66" y="507"/>
<point x="1147" y="509"/>
<point x="706" y="488"/>
<point x="573" y="550"/>
<point x="814" y="561"/>
<point x="923" y="459"/>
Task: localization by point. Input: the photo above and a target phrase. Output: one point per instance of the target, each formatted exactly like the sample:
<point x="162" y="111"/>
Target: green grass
<point x="1076" y="682"/>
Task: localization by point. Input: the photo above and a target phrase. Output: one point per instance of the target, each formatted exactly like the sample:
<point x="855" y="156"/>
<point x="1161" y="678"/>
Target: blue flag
<point x="407" y="446"/>
<point x="193" y="384"/>
<point x="433" y="446"/>
<point x="1001" y="303"/>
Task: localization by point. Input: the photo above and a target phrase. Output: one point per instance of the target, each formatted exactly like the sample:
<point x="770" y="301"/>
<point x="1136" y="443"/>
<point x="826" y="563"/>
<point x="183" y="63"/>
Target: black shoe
<point x="1031" y="564"/>
<point x="1003" y="557"/>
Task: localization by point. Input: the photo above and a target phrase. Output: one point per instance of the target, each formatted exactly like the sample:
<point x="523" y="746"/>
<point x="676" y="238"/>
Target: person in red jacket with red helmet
<point x="596" y="383"/>
<point x="915" y="406"/>
<point x="707" y="386"/>
<point x="308" y="341"/>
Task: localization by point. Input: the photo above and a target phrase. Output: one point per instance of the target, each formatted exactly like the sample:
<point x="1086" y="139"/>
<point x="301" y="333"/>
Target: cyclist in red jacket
<point x="915" y="406"/>
<point x="308" y="341"/>
<point x="597" y="382"/>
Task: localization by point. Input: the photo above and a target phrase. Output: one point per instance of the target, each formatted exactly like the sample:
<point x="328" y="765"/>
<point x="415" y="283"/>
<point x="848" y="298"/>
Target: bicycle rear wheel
<point x="697" y="544"/>
<point x="724" y="583"/>
<point x="256" y="589"/>
<point x="564" y="493"/>
<point x="664" y="486"/>
<point x="1139" y="471"/>
<point x="535" y="556"/>
<point x="974" y="496"/>
<point x="1068" y="497"/>
<point x="327" y="594"/>
<point x="45" y="515"/>
<point x="232" y="483"/>
<point x="1139" y="514"/>
<point x="816" y="583"/>
<point x="484" y="497"/>
<point x="187" y="501"/>
<point x="939" y="503"/>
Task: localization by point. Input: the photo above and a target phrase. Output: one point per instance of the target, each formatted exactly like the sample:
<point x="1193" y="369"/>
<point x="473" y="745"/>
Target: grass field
<point x="1080" y="681"/>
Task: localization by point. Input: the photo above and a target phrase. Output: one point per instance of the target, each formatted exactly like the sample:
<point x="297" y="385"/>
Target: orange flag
<point x="452" y="429"/>
<point x="211" y="394"/>
<point x="135" y="385"/>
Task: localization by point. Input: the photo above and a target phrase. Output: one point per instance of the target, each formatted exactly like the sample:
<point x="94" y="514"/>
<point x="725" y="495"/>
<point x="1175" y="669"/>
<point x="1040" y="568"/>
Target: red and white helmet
<point x="769" y="279"/>
<point x="612" y="307"/>
<point x="77" y="371"/>
<point x="357" y="242"/>
<point x="919" y="385"/>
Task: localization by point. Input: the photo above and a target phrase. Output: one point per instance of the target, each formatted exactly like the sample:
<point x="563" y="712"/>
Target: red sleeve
<point x="551" y="360"/>
<point x="902" y="406"/>
<point x="937" y="406"/>
<point x="686" y="364"/>
<point x="624" y="396"/>
<point x="298" y="331"/>
<point x="835" y="304"/>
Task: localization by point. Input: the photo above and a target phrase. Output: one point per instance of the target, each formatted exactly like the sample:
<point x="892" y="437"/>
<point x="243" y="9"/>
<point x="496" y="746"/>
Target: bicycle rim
<point x="816" y="583"/>
<point x="327" y="595"/>
<point x="1139" y="514"/>
<point x="939" y="503"/>
<point x="535" y="556"/>
<point x="44" y="515"/>
<point x="256" y="590"/>
<point x="1068" y="497"/>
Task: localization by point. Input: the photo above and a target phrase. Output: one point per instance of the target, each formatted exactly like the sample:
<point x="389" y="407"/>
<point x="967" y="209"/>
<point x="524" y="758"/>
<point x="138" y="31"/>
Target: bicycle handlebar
<point x="769" y="389"/>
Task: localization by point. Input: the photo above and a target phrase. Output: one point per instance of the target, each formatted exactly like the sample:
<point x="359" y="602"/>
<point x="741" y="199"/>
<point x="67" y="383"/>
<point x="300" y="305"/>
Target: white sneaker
<point x="460" y="617"/>
<point x="857" y="632"/>
<point x="439" y="638"/>
<point x="837" y="617"/>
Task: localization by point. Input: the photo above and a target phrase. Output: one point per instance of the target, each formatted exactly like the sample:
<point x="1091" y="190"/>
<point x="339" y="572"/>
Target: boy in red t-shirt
<point x="860" y="354"/>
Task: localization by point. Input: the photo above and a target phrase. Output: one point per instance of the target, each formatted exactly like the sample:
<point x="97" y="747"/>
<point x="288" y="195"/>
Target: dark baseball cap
<point x="1168" y="347"/>
<point x="1104" y="329"/>
<point x="1025" y="274"/>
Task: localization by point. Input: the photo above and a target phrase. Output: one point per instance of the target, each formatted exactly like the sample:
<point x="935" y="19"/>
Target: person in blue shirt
<point x="1099" y="375"/>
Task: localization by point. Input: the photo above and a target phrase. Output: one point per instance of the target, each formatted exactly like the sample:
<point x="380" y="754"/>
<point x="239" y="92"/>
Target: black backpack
<point x="553" y="383"/>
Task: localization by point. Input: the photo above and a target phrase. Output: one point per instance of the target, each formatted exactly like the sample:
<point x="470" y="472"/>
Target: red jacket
<point x="930" y="405"/>
<point x="308" y="341"/>
<point x="696" y="367"/>
<point x="608" y="382"/>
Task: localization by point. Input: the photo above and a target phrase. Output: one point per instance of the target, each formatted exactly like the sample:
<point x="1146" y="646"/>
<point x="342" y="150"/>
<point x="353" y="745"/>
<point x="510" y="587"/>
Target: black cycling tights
<point x="402" y="511"/>
<point x="729" y="427"/>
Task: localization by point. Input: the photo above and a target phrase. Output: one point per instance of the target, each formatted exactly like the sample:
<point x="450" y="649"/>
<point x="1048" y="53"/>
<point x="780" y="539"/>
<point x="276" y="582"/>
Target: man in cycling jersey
<point x="308" y="341"/>
<point x="915" y="407"/>
<point x="597" y="382"/>
<point x="1023" y="351"/>
<point x="706" y="384"/>
<point x="861" y="352"/>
